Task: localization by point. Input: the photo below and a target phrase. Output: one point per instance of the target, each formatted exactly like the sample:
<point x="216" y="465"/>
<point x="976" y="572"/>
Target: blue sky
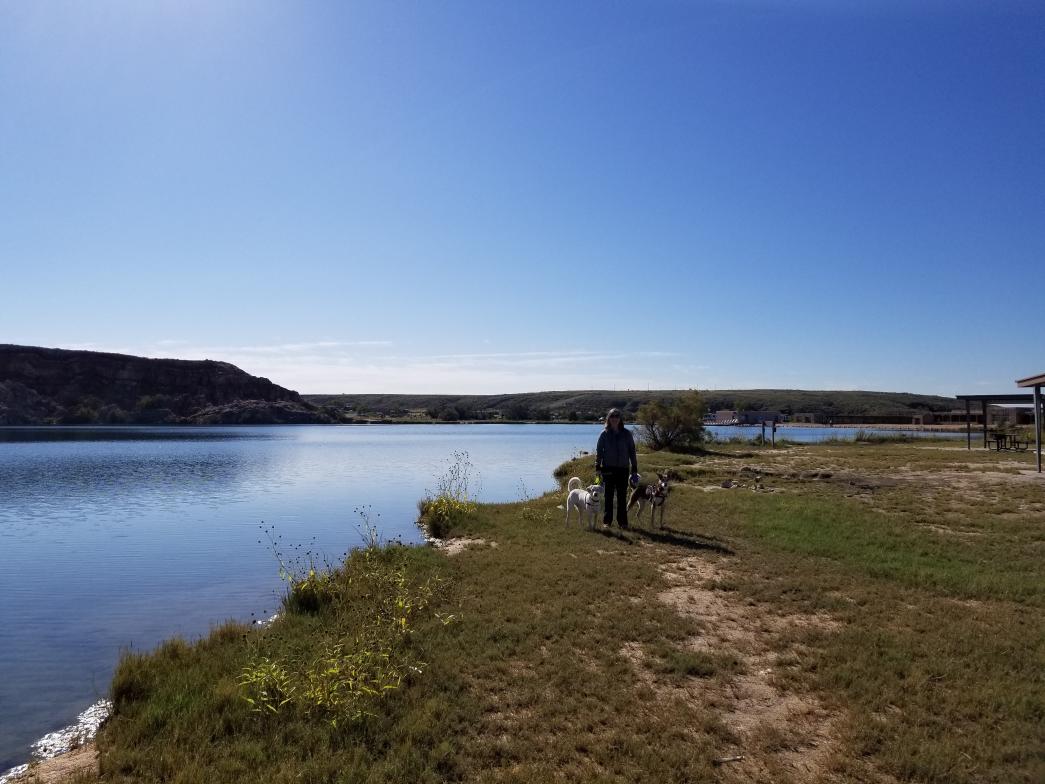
<point x="494" y="197"/>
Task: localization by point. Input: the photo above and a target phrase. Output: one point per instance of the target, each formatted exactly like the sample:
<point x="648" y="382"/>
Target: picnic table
<point x="1006" y="442"/>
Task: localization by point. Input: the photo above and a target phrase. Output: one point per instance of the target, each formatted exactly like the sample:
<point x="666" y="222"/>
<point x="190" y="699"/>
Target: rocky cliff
<point x="50" y="385"/>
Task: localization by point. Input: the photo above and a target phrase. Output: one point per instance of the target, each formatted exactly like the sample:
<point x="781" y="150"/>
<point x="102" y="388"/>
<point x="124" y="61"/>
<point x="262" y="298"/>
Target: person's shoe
<point x="623" y="526"/>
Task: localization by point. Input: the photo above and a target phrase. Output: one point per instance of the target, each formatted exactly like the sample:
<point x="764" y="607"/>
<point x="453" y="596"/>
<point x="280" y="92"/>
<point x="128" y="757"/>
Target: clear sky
<point x="516" y="196"/>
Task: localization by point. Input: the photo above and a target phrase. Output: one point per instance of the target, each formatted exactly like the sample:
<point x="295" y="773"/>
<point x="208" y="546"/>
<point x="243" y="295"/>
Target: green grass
<point x="853" y="540"/>
<point x="184" y="712"/>
<point x="550" y="656"/>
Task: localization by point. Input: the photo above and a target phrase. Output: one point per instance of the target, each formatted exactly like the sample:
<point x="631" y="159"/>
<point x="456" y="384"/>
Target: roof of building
<point x="1025" y="397"/>
<point x="1032" y="381"/>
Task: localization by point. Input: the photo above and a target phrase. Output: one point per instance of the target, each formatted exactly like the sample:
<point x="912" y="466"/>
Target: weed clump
<point x="453" y="500"/>
<point x="323" y="675"/>
<point x="359" y="651"/>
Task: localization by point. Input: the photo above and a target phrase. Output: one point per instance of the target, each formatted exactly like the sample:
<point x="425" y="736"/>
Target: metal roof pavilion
<point x="1036" y="382"/>
<point x="984" y="401"/>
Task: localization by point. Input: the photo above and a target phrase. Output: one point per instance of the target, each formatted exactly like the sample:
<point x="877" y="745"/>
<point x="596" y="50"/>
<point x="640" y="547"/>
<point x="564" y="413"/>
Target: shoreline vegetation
<point x="839" y="612"/>
<point x="977" y="430"/>
<point x="266" y="417"/>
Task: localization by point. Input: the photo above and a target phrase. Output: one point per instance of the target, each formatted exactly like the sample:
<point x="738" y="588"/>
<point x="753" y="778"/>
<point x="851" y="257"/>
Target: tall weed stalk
<point x="453" y="499"/>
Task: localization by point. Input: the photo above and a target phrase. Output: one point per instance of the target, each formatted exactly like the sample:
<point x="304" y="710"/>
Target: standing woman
<point x="613" y="456"/>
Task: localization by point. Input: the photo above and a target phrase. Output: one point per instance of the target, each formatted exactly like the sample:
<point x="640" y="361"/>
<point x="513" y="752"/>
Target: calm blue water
<point x="117" y="538"/>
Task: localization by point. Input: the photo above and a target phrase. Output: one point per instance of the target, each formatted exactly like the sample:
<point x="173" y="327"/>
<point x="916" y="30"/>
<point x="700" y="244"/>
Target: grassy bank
<point x="848" y="612"/>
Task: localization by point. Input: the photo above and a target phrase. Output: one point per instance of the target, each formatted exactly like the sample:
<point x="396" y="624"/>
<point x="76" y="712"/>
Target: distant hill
<point x="50" y="385"/>
<point x="593" y="404"/>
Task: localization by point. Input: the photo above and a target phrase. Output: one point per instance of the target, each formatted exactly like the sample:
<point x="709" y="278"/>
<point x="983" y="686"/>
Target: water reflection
<point x="38" y="434"/>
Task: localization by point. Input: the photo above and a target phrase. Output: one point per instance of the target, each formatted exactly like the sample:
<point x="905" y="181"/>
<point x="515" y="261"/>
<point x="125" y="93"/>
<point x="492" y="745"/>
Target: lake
<point x="117" y="538"/>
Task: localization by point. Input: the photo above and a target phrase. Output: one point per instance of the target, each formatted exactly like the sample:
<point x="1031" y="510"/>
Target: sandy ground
<point x="58" y="768"/>
<point x="459" y="545"/>
<point x="779" y="734"/>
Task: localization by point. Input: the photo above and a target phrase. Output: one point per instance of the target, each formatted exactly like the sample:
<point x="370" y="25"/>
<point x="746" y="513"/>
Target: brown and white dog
<point x="656" y="495"/>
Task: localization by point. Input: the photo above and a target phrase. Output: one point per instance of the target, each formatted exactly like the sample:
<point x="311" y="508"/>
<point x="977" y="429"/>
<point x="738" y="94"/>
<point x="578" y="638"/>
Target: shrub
<point x="452" y="499"/>
<point x="438" y="515"/>
<point x="357" y="656"/>
<point x="311" y="593"/>
<point x="675" y="425"/>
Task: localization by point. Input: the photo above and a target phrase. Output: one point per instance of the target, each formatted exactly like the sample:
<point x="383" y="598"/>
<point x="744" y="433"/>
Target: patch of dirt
<point x="961" y="534"/>
<point x="82" y="759"/>
<point x="458" y="546"/>
<point x="780" y="734"/>
<point x="943" y="448"/>
<point x="989" y="481"/>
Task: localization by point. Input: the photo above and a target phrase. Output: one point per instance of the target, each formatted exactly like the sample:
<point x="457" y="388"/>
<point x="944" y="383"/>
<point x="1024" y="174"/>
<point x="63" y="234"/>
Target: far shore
<point x="943" y="428"/>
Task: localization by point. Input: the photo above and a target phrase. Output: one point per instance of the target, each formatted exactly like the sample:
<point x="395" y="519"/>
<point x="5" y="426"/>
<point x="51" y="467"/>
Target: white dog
<point x="586" y="502"/>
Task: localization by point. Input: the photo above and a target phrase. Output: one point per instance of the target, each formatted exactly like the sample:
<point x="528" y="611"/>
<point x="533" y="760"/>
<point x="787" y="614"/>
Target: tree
<point x="518" y="411"/>
<point x="675" y="425"/>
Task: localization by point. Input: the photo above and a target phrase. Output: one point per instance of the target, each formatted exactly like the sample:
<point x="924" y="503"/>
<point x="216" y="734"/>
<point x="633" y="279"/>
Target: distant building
<point x="809" y="418"/>
<point x="732" y="417"/>
<point x="921" y="418"/>
<point x="758" y="417"/>
<point x="995" y="415"/>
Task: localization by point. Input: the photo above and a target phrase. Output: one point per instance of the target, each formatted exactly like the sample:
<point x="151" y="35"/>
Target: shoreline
<point x="909" y="428"/>
<point x="55" y="769"/>
<point x="49" y="755"/>
<point x="76" y="739"/>
<point x="71" y="749"/>
<point x="943" y="428"/>
<point x="75" y="734"/>
<point x="689" y="584"/>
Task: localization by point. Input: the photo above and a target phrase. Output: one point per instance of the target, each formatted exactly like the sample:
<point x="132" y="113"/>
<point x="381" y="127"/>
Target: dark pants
<point x="615" y="480"/>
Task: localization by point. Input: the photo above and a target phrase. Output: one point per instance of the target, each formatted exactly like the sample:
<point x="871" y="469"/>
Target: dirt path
<point x="779" y="735"/>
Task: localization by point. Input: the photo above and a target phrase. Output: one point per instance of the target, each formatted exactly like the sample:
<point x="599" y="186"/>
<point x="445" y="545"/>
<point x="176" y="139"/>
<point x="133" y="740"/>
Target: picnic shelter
<point x="1035" y="383"/>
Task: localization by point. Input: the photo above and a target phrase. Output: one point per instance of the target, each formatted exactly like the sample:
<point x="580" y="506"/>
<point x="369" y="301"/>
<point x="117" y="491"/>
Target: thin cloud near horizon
<point x="351" y="366"/>
<point x="330" y="366"/>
